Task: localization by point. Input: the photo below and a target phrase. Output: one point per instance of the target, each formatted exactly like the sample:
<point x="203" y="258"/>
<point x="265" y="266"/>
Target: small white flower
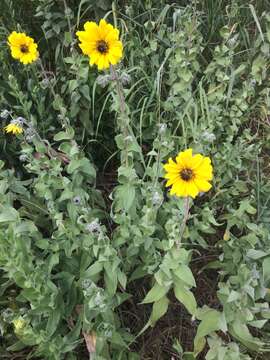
<point x="68" y="12"/>
<point x="77" y="200"/>
<point x="232" y="41"/>
<point x="18" y="121"/>
<point x="29" y="134"/>
<point x="129" y="138"/>
<point x="125" y="79"/>
<point x="208" y="137"/>
<point x="4" y="114"/>
<point x="94" y="226"/>
<point x="103" y="80"/>
<point x="86" y="284"/>
<point x="45" y="83"/>
<point x="162" y="128"/>
<point x="157" y="199"/>
<point x="23" y="157"/>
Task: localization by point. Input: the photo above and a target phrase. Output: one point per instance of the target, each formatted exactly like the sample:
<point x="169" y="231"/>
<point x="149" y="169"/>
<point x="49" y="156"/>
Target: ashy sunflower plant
<point x="23" y="47"/>
<point x="101" y="43"/>
<point x="86" y="233"/>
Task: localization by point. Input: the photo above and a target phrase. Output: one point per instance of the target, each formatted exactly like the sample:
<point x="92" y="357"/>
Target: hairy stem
<point x="183" y="225"/>
<point x="124" y="115"/>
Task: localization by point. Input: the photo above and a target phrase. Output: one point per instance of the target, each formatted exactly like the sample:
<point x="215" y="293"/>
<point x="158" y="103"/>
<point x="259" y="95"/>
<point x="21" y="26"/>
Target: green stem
<point x="183" y="225"/>
<point x="68" y="19"/>
<point x="114" y="14"/>
<point x="44" y="74"/>
<point x="124" y="115"/>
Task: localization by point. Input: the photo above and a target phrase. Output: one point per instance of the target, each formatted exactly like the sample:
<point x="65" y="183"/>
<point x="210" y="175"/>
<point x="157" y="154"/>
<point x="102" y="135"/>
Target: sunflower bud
<point x="19" y="324"/>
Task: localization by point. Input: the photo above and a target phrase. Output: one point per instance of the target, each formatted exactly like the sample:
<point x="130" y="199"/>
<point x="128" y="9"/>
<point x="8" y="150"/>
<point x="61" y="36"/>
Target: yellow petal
<point x="104" y="29"/>
<point x="192" y="189"/>
<point x="179" y="188"/>
<point x="196" y="161"/>
<point x="100" y="63"/>
<point x="203" y="185"/>
<point x="205" y="169"/>
<point x="106" y="62"/>
<point x="171" y="166"/>
<point x="91" y="29"/>
<point x="172" y="180"/>
<point x="184" y="158"/>
<point x="15" y="52"/>
<point x="112" y="35"/>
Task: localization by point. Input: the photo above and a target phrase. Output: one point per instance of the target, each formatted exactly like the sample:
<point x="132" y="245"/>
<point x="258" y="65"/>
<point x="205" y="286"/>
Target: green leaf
<point x="19" y="345"/>
<point x="266" y="269"/>
<point x="234" y="295"/>
<point x="53" y="322"/>
<point x="199" y="344"/>
<point x="256" y="254"/>
<point x="8" y="214"/>
<point x="189" y="356"/>
<point x="118" y="340"/>
<point x="211" y="321"/>
<point x="72" y="85"/>
<point x="122" y="278"/>
<point x="265" y="313"/>
<point x="258" y="323"/>
<point x="160" y="308"/>
<point x="185" y="297"/>
<point x="64" y="135"/>
<point x="67" y="38"/>
<point x="93" y="270"/>
<point x="111" y="280"/>
<point x="58" y="102"/>
<point x="184" y="273"/>
<point x="53" y="260"/>
<point x="82" y="165"/>
<point x="241" y="332"/>
<point x="125" y="196"/>
<point x="25" y="227"/>
<point x="156" y="293"/>
<point x="84" y="89"/>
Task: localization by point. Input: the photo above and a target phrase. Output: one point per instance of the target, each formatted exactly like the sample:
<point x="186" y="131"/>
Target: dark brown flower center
<point x="24" y="49"/>
<point x="186" y="174"/>
<point x="102" y="47"/>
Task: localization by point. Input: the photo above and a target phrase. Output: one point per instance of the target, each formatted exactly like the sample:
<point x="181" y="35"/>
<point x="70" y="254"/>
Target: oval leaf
<point x="155" y="294"/>
<point x="186" y="298"/>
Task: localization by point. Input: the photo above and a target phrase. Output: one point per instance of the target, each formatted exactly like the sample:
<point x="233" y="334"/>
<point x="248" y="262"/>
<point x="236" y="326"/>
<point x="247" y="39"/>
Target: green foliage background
<point x="89" y="263"/>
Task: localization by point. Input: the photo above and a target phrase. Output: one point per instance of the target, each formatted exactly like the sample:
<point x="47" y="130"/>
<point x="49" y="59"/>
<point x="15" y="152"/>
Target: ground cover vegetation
<point x="134" y="179"/>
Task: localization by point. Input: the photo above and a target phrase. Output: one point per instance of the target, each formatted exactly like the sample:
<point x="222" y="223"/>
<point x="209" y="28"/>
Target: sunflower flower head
<point x="23" y="47"/>
<point x="15" y="126"/>
<point x="189" y="174"/>
<point x="101" y="43"/>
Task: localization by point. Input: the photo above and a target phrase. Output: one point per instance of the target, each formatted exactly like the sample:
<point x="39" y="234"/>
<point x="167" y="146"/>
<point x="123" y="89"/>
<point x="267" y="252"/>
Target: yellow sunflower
<point x="188" y="174"/>
<point x="101" y="43"/>
<point x="13" y="128"/>
<point x="23" y="47"/>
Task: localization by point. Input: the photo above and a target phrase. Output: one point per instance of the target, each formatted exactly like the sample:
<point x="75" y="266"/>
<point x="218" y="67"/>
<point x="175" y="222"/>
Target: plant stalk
<point x="184" y="223"/>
